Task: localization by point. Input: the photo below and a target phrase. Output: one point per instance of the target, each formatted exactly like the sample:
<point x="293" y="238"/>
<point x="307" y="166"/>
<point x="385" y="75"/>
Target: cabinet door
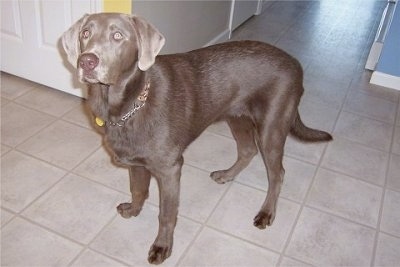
<point x="30" y="46"/>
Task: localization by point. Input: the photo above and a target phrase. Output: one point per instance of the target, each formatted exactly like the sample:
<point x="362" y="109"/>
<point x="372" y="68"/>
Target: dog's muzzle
<point x="87" y="63"/>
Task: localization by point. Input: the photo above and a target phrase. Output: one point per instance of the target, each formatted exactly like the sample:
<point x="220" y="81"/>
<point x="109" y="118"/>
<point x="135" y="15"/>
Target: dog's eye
<point x="118" y="36"/>
<point x="85" y="34"/>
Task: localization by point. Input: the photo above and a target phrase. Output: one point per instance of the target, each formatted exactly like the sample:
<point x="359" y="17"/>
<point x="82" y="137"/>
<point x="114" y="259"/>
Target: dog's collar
<point x="136" y="106"/>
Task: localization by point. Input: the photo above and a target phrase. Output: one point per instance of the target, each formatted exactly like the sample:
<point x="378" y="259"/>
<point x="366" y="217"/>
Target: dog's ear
<point x="70" y="41"/>
<point x="150" y="42"/>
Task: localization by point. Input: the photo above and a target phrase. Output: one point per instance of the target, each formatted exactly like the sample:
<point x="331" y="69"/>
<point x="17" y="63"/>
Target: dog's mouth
<point x="89" y="77"/>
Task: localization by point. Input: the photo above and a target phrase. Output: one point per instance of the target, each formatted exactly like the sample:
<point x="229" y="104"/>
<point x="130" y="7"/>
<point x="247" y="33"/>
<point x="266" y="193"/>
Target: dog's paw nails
<point x="262" y="220"/>
<point x="158" y="254"/>
<point x="221" y="177"/>
<point x="128" y="210"/>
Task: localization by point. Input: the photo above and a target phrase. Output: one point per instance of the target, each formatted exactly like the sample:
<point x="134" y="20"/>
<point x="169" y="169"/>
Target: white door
<point x="30" y="31"/>
<point x="242" y="10"/>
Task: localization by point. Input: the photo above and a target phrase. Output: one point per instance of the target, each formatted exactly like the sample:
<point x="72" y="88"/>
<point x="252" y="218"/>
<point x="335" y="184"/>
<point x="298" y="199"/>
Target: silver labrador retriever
<point x="150" y="108"/>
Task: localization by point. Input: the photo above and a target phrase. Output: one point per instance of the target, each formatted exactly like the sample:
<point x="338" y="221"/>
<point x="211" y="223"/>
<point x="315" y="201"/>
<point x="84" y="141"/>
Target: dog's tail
<point x="306" y="134"/>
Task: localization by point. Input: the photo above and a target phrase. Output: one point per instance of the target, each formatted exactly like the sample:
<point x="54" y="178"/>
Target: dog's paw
<point x="128" y="210"/>
<point x="262" y="220"/>
<point x="158" y="254"/>
<point x="221" y="177"/>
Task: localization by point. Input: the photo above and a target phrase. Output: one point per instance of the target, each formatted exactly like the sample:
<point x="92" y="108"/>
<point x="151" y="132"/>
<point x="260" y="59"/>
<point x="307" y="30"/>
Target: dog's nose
<point x="88" y="61"/>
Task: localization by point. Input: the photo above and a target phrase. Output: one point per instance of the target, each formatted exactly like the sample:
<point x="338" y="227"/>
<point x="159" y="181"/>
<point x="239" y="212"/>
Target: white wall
<point x="186" y="25"/>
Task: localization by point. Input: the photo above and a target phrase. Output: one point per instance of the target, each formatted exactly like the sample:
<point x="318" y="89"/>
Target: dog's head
<point x="106" y="45"/>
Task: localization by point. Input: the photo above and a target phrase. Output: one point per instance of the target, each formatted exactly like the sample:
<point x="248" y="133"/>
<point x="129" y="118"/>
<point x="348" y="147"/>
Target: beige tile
<point x="292" y="44"/>
<point x="317" y="115"/>
<point x="363" y="85"/>
<point x="220" y="128"/>
<point x="257" y="32"/>
<point x="390" y="222"/>
<point x="129" y="240"/>
<point x="329" y="40"/>
<point x="13" y="87"/>
<point x="346" y="197"/>
<point x="62" y="144"/>
<point x="369" y="106"/>
<point x="76" y="207"/>
<point x="284" y="11"/>
<point x="236" y="211"/>
<point x="216" y="249"/>
<point x="329" y="92"/>
<point x="26" y="244"/>
<point x="396" y="141"/>
<point x="211" y="152"/>
<point x="4" y="101"/>
<point x="308" y="152"/>
<point x="289" y="262"/>
<point x="99" y="167"/>
<point x="325" y="240"/>
<point x="5" y="149"/>
<point x="19" y="123"/>
<point x="393" y="179"/>
<point x="372" y="133"/>
<point x="199" y="193"/>
<point x="80" y="115"/>
<point x="297" y="180"/>
<point x="387" y="252"/>
<point x="398" y="116"/>
<point x="296" y="48"/>
<point x="24" y="178"/>
<point x="5" y="216"/>
<point x="356" y="160"/>
<point x="92" y="258"/>
<point x="49" y="100"/>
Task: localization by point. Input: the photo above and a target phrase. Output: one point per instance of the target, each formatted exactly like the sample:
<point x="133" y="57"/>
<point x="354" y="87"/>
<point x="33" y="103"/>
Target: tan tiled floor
<point x="339" y="203"/>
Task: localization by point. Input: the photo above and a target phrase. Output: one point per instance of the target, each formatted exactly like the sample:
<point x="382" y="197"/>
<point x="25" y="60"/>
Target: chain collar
<point x="136" y="106"/>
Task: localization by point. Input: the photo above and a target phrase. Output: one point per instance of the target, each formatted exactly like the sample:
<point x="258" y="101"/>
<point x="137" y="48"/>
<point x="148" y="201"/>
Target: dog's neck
<point x="112" y="102"/>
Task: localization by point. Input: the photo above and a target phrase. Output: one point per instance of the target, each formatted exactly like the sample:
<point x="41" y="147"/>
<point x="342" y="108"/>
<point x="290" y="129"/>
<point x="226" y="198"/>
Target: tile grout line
<point x="318" y="167"/>
<point x="203" y="225"/>
<point x="89" y="243"/>
<point x="318" y="208"/>
<point x="17" y="147"/>
<point x="31" y="87"/>
<point x="44" y="112"/>
<point x="67" y="171"/>
<point x="282" y="254"/>
<point x="303" y="203"/>
<point x="377" y="228"/>
<point x="302" y="206"/>
<point x="385" y="188"/>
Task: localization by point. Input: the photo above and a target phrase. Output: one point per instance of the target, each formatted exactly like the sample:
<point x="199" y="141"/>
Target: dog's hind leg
<point x="272" y="129"/>
<point x="139" y="185"/>
<point x="272" y="154"/>
<point x="242" y="129"/>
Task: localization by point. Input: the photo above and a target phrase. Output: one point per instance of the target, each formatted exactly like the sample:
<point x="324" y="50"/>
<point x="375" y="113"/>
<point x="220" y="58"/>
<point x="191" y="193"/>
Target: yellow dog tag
<point x="99" y="122"/>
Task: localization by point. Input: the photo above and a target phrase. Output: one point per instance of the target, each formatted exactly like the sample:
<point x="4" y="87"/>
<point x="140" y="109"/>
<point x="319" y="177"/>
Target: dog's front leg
<point x="139" y="184"/>
<point x="168" y="183"/>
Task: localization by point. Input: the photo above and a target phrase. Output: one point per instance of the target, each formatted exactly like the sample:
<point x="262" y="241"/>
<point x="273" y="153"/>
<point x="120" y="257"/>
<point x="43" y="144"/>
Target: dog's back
<point x="227" y="79"/>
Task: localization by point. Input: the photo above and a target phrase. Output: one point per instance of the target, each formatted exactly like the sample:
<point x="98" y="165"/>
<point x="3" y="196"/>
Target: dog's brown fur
<point x="253" y="86"/>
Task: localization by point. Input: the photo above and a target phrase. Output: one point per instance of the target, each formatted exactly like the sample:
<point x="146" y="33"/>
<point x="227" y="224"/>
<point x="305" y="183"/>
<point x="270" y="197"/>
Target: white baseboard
<point x="386" y="80"/>
<point x="373" y="56"/>
<point x="222" y="37"/>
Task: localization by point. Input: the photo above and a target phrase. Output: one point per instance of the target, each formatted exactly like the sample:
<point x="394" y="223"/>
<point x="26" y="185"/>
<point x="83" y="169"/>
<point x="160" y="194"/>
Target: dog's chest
<point x="127" y="148"/>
